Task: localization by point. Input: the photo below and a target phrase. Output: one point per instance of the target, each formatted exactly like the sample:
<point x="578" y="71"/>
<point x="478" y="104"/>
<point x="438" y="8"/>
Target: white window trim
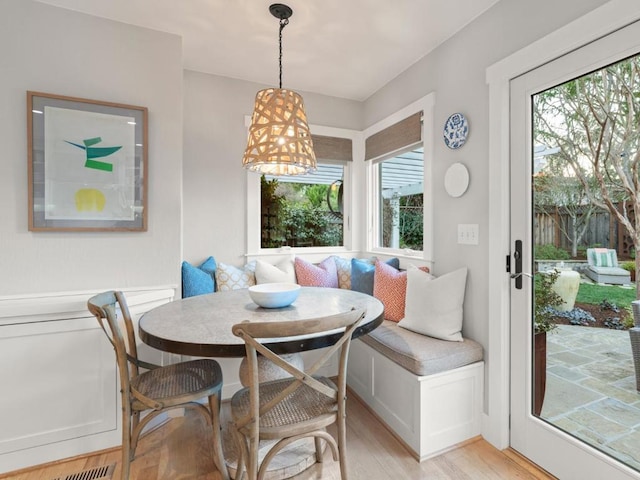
<point x="351" y="202"/>
<point x="426" y="104"/>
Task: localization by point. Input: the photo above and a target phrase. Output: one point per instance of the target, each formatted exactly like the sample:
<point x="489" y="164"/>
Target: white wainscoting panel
<point x="60" y="390"/>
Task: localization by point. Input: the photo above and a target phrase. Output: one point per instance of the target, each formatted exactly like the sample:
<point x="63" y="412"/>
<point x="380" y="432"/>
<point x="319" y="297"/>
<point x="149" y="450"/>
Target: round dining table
<point x="201" y="326"/>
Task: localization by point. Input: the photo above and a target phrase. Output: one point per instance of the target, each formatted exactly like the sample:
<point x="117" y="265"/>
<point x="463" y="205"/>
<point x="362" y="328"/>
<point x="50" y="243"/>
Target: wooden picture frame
<point x="87" y="163"/>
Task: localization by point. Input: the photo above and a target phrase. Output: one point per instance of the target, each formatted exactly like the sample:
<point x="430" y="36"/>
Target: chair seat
<point x="304" y="408"/>
<point x="174" y="384"/>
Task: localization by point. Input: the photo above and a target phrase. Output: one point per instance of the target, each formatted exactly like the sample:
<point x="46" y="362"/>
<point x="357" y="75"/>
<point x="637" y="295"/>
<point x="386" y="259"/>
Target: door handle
<point x="521" y="274"/>
<point x="517" y="256"/>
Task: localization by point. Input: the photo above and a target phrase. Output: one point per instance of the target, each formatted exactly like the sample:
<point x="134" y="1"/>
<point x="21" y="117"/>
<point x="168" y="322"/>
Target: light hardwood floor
<point x="180" y="450"/>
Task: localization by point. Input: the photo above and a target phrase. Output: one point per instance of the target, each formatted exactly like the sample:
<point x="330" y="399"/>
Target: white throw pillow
<point x="283" y="271"/>
<point x="434" y="305"/>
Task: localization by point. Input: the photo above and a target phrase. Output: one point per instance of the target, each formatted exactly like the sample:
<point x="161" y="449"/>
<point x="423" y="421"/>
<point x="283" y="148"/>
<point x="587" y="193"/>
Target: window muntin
<point x="400" y="198"/>
<point x="303" y="210"/>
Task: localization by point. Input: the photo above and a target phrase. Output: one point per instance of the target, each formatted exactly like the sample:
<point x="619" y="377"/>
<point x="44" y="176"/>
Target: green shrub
<point x="550" y="252"/>
<point x="545" y="301"/>
<point x="629" y="321"/>
<point x="629" y="265"/>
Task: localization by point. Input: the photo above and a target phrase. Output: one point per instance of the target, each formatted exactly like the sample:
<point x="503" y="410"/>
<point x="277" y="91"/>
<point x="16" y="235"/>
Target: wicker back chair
<point x="159" y="388"/>
<point x="300" y="406"/>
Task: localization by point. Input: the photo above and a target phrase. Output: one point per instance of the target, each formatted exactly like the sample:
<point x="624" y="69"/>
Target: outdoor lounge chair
<point x="603" y="267"/>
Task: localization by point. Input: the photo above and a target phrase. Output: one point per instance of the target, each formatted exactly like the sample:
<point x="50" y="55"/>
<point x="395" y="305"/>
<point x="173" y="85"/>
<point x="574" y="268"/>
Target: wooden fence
<point x="603" y="230"/>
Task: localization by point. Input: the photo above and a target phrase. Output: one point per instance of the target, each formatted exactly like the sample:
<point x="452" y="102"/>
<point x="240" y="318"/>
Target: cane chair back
<point x="292" y="408"/>
<point x="158" y="388"/>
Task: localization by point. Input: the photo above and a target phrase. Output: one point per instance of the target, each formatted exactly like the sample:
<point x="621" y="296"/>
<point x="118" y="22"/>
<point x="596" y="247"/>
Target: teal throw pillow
<point x="362" y="273"/>
<point x="198" y="280"/>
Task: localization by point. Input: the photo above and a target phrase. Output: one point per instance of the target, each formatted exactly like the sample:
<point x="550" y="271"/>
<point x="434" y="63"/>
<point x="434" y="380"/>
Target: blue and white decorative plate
<point x="456" y="129"/>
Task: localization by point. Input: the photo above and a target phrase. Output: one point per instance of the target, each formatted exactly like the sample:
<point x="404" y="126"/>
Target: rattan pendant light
<point x="279" y="138"/>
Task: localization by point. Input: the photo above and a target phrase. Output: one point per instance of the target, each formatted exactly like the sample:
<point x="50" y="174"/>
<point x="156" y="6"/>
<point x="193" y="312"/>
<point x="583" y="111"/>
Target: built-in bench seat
<point x="428" y="391"/>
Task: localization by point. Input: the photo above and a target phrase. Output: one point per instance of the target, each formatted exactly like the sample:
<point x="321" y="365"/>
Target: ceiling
<point x="341" y="48"/>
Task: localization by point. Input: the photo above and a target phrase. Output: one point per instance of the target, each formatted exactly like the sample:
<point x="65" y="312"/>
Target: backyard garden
<point x="596" y="305"/>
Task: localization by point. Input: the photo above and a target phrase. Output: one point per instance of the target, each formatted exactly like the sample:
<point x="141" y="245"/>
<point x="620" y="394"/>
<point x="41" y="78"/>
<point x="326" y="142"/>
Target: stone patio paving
<point x="591" y="389"/>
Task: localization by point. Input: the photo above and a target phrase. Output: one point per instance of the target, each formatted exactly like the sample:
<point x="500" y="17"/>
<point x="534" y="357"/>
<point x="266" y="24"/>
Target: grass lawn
<point x="594" y="294"/>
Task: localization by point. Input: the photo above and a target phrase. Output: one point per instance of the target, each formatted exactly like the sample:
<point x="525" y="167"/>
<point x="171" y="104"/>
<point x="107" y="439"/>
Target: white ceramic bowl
<point x="274" y="295"/>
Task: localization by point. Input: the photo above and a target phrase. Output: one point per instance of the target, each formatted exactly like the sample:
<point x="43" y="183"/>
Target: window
<point x="303" y="210"/>
<point x="398" y="171"/>
<point x="401" y="201"/>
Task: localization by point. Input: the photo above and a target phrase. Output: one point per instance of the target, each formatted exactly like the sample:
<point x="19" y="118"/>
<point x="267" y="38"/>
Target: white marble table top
<point x="201" y="325"/>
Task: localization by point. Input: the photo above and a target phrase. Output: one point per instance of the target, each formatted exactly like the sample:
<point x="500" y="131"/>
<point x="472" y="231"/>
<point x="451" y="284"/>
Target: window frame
<point x="254" y="244"/>
<point x="426" y="104"/>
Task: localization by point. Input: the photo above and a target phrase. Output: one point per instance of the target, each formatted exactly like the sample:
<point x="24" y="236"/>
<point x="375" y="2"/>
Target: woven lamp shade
<point x="279" y="138"/>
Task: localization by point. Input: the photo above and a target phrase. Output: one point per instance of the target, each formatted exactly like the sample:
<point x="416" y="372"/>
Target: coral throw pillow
<point x="390" y="287"/>
<point x="324" y="274"/>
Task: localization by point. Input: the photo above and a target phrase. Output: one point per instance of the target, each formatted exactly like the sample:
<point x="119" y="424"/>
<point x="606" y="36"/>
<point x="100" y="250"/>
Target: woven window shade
<point x="279" y="139"/>
<point x="396" y="137"/>
<point x="333" y="148"/>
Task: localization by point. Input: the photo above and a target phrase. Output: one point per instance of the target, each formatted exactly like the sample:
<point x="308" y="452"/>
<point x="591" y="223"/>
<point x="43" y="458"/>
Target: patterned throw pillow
<point x="603" y="257"/>
<point x="198" y="280"/>
<point x="434" y="306"/>
<point x="390" y="287"/>
<point x="283" y="271"/>
<point x="324" y="274"/>
<point x="343" y="266"/>
<point x="362" y="273"/>
<point x="234" y="278"/>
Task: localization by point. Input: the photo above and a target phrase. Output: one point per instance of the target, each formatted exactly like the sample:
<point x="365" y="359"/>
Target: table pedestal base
<point x="267" y="370"/>
<point x="290" y="461"/>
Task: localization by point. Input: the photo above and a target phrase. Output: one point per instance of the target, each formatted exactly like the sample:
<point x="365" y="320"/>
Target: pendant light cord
<point x="283" y="23"/>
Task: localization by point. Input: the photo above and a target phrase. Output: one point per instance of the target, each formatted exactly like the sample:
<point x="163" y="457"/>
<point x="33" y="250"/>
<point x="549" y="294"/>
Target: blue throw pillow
<point x="362" y="272"/>
<point x="198" y="280"/>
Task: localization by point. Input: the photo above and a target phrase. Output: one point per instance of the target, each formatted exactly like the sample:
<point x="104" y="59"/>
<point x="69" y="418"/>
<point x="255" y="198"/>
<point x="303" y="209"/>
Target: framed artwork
<point x="87" y="164"/>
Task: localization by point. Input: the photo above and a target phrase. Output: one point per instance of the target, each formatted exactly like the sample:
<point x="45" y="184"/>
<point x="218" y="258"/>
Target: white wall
<point x="455" y="71"/>
<point x="215" y="136"/>
<point x="51" y="50"/>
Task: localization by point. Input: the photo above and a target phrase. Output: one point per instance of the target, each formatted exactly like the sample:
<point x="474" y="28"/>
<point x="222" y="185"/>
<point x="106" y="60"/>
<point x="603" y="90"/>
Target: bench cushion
<point x="420" y="354"/>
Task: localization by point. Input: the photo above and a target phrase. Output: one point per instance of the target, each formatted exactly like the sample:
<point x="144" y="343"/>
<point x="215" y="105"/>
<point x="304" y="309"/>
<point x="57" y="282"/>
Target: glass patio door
<point x="576" y="433"/>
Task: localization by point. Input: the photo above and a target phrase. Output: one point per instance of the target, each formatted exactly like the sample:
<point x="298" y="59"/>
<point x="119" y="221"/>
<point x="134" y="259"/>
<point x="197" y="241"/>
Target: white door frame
<point x="596" y="24"/>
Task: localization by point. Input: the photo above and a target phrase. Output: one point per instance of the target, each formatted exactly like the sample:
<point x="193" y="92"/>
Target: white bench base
<point x="428" y="413"/>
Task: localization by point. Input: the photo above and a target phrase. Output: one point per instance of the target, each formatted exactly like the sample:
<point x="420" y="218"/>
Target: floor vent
<point x="98" y="473"/>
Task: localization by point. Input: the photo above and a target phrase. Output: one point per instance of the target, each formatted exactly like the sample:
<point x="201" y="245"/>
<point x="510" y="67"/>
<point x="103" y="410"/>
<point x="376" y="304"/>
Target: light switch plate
<point x="468" y="233"/>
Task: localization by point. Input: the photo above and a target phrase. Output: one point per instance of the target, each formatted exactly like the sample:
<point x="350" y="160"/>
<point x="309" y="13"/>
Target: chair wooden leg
<point x="342" y="446"/>
<point x="252" y="461"/>
<point x="127" y="454"/>
<point x="242" y="454"/>
<point x="218" y="454"/>
<point x="318" y="443"/>
<point x="134" y="433"/>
